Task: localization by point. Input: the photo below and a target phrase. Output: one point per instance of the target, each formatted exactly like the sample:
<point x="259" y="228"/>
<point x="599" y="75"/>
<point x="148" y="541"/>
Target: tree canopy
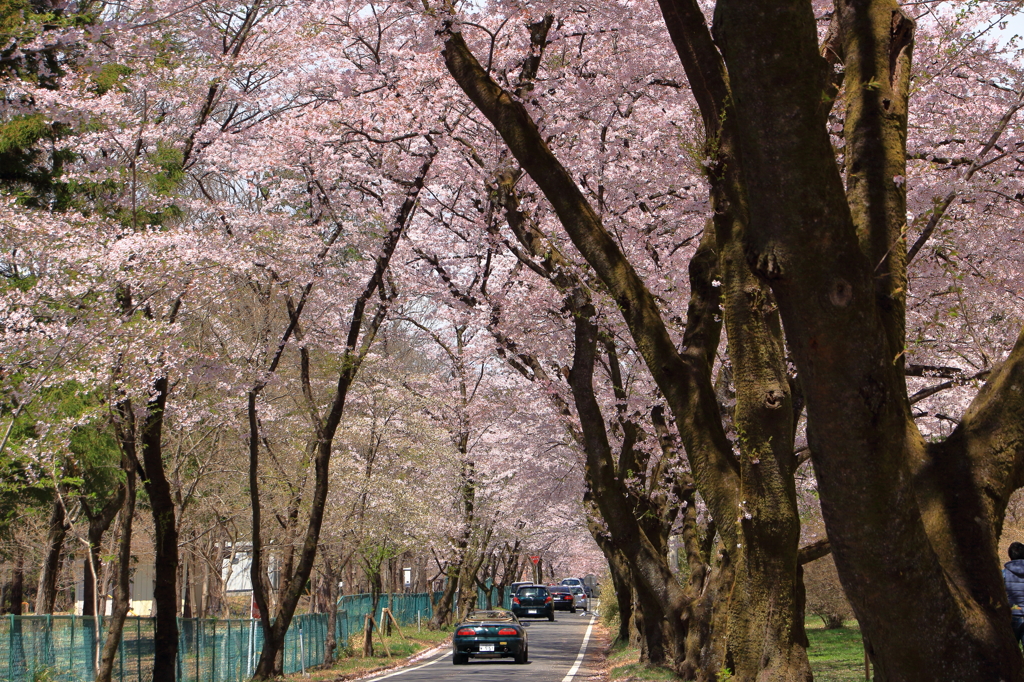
<point x="665" y="270"/>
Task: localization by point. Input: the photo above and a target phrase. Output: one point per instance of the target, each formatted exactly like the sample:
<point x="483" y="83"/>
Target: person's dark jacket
<point x="1013" y="577"/>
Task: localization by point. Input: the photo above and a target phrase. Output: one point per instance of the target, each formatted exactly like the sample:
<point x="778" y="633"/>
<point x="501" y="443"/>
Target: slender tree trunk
<point x="165" y="530"/>
<point x="204" y="600"/>
<point x="46" y="593"/>
<point x="455" y="568"/>
<point x="186" y="587"/>
<point x="16" y="592"/>
<point x="122" y="596"/>
<point x="99" y="524"/>
<point x="5" y="591"/>
<point x="374" y="578"/>
<point x="331" y="576"/>
<point x="368" y="636"/>
<point x="357" y="345"/>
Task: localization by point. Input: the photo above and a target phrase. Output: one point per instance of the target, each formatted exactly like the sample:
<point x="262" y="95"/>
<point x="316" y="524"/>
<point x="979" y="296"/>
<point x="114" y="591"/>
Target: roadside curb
<point x="405" y="663"/>
<point x="429" y="653"/>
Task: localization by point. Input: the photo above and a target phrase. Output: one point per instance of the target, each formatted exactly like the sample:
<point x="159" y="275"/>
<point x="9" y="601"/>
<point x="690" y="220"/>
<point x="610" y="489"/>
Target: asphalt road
<point x="554" y="650"/>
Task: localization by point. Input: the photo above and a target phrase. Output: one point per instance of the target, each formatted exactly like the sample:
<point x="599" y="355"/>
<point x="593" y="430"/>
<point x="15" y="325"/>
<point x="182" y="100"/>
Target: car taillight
<point x="548" y="599"/>
<point x="508" y="631"/>
<point x="466" y="631"/>
<point x="515" y="600"/>
<point x="568" y="596"/>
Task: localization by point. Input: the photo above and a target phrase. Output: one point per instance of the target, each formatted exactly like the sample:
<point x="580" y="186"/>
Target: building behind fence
<point x="66" y="648"/>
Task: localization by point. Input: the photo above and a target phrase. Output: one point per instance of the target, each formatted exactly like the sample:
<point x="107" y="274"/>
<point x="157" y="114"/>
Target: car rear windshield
<point x="532" y="592"/>
<point x="490" y="615"/>
<point x="558" y="590"/>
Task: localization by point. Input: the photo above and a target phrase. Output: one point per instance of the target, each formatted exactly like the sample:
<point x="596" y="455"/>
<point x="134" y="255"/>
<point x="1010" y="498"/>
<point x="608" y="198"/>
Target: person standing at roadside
<point x="1013" y="579"/>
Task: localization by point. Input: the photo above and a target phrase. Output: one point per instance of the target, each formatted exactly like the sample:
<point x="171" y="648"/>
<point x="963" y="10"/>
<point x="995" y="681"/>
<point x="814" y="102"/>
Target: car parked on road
<point x="561" y="597"/>
<point x="533" y="601"/>
<point x="495" y="633"/>
<point x="514" y="587"/>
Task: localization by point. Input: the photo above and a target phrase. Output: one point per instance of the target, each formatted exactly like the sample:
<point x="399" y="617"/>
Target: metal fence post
<point x="10" y="649"/>
<point x="120" y="650"/>
<point x="180" y="668"/>
<point x="213" y="653"/>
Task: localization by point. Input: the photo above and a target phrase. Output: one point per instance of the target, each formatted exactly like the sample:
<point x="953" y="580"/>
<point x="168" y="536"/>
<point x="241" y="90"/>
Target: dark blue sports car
<point x="490" y="634"/>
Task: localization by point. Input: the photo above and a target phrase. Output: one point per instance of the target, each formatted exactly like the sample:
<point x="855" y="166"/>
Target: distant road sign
<point x="534" y="559"/>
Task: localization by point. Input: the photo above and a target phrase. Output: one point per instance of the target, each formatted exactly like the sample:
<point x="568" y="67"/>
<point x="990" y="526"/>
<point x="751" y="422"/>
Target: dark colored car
<point x="561" y="597"/>
<point x="533" y="601"/>
<point x="490" y="634"/>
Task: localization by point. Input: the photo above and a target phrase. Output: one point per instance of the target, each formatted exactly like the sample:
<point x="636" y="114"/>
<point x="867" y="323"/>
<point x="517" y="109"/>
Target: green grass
<point x="355" y="665"/>
<point x="620" y="652"/>
<point x="836" y="655"/>
<point x="638" y="671"/>
<point x="623" y="659"/>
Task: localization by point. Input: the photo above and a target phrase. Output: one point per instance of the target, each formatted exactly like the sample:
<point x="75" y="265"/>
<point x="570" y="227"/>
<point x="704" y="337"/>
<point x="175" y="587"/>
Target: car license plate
<point x="486" y="647"/>
<point x="532" y="611"/>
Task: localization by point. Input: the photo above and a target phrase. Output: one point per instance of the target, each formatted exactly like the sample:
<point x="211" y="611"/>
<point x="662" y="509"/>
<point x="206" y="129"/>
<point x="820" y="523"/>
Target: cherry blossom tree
<point x="722" y="71"/>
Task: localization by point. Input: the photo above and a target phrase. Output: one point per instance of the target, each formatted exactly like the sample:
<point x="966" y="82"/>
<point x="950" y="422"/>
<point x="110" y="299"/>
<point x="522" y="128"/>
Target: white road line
<point x="408" y="670"/>
<point x="583" y="652"/>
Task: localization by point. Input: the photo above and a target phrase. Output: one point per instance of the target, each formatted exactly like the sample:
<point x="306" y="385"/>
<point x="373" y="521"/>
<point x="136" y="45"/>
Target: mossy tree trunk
<point x="913" y="528"/>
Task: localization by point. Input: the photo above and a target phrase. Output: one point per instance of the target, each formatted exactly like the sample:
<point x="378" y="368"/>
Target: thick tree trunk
<point x="766" y="631"/>
<point x="467" y="580"/>
<point x="657" y="588"/>
<point x="707" y="641"/>
<point x="659" y="635"/>
<point x="443" y="608"/>
<point x="57" y="529"/>
<point x="926" y="593"/>
<point x="619" y="569"/>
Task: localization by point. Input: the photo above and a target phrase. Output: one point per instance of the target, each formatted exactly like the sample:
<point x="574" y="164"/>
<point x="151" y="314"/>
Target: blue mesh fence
<point x="66" y="648"/>
<point x="498" y="600"/>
